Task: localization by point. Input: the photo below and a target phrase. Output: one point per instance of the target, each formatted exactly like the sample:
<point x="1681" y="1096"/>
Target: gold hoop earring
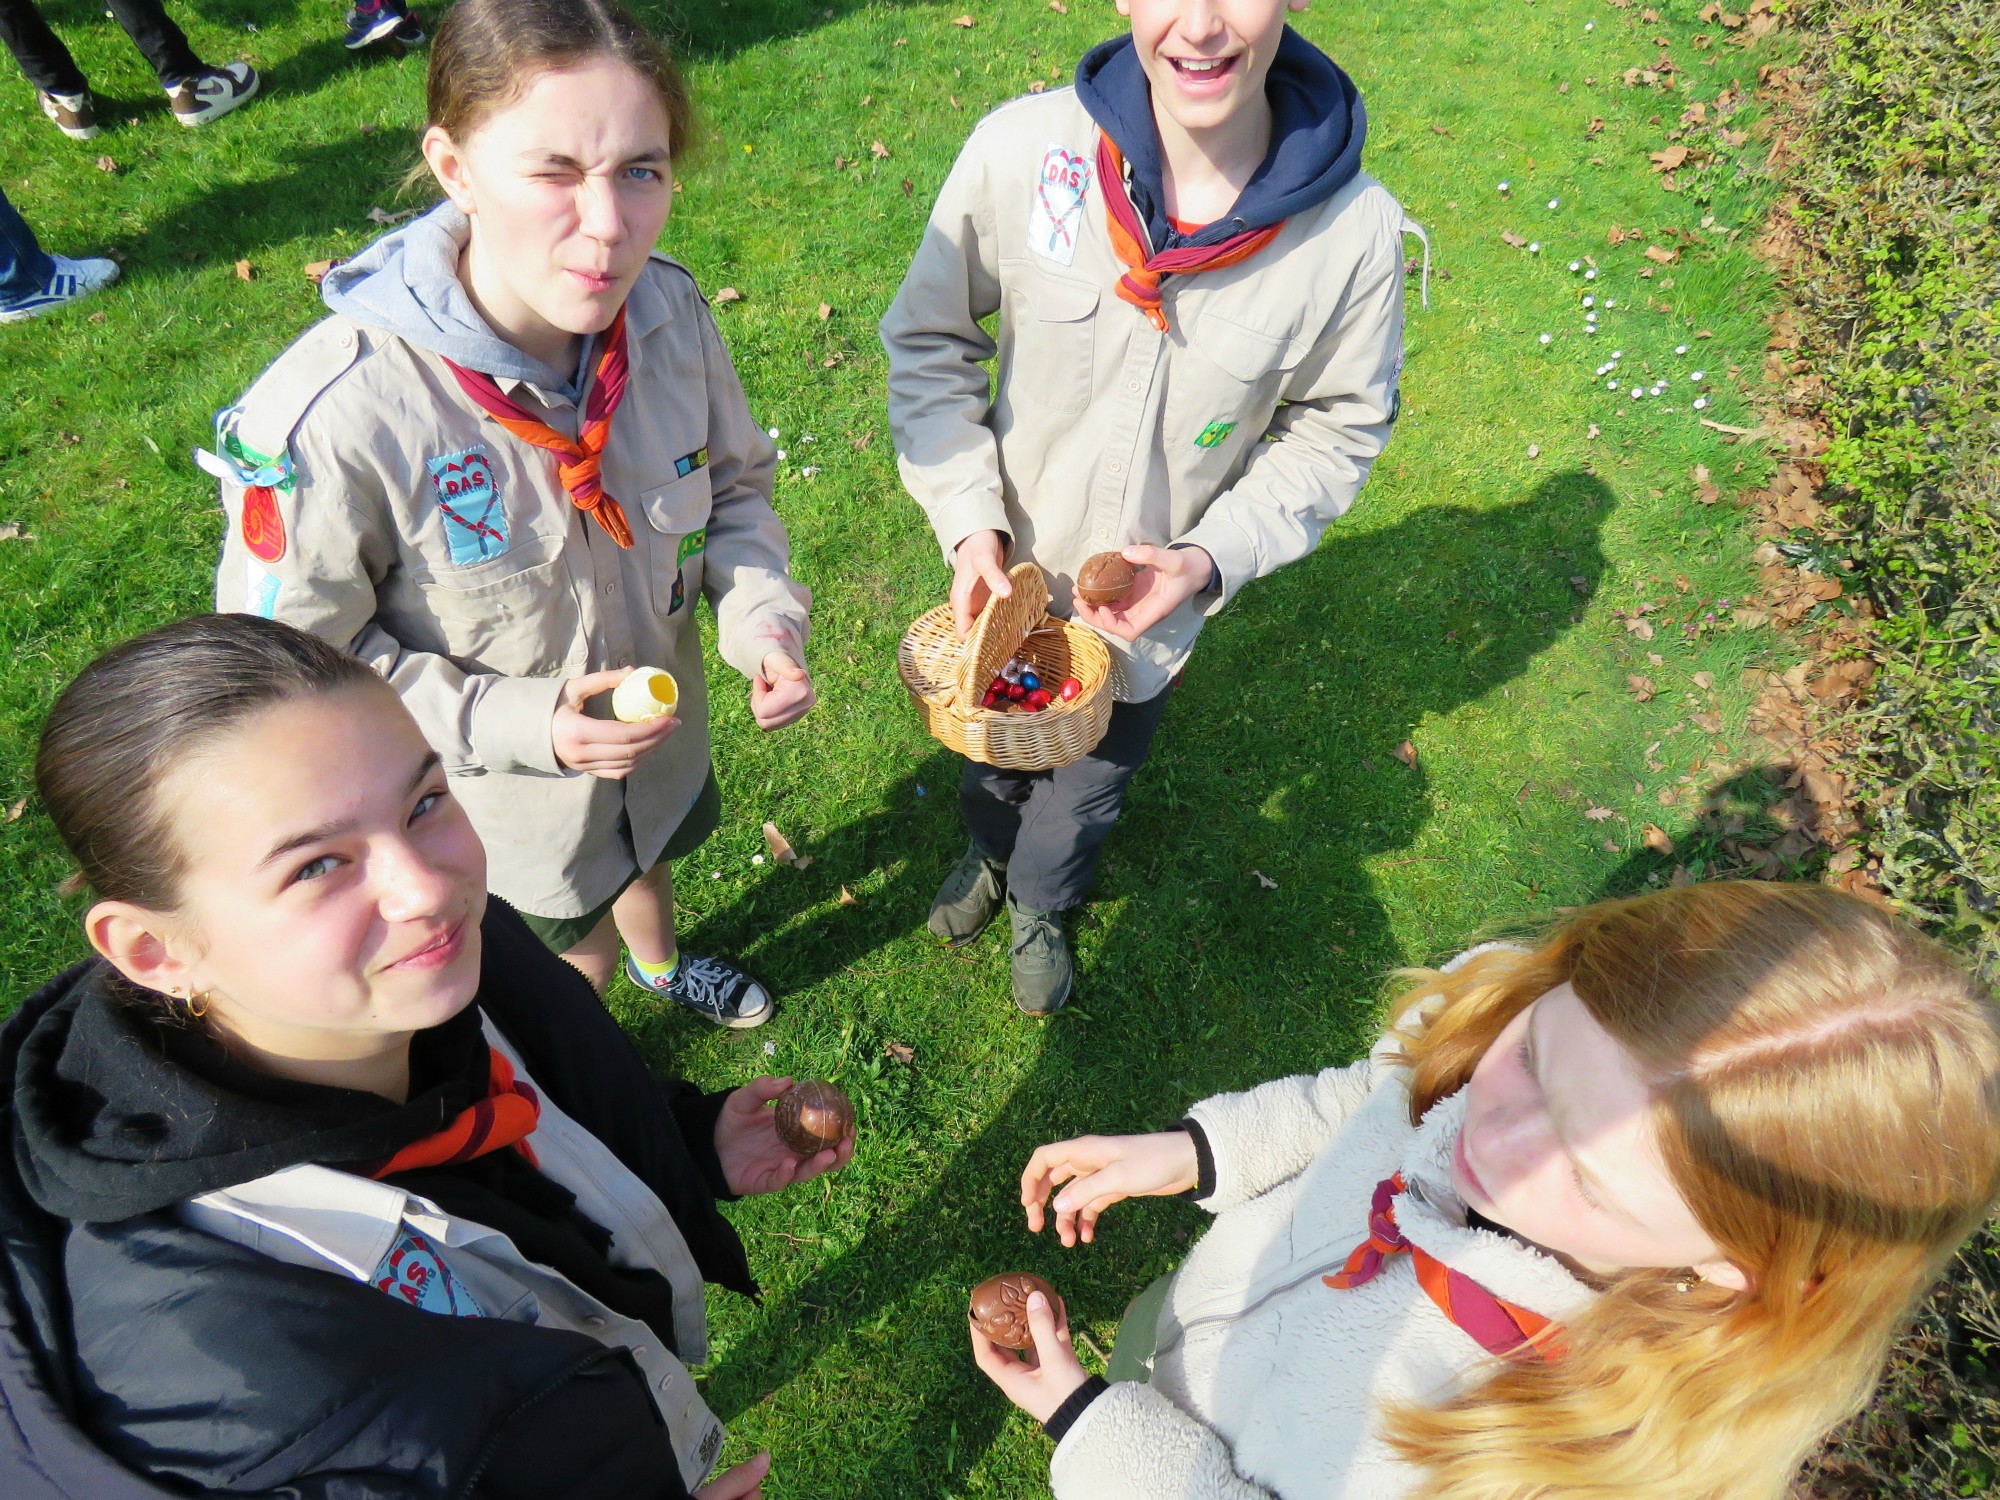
<point x="197" y="1006"/>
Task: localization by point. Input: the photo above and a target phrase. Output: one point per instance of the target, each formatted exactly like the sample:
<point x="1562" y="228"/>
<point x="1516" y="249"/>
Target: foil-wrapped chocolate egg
<point x="1000" y="1307"/>
<point x="1105" y="578"/>
<point x="814" y="1117"/>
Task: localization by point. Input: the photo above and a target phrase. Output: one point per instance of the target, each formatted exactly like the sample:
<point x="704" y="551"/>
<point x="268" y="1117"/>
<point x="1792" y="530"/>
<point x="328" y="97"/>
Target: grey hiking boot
<point x="969" y="898"/>
<point x="1043" y="972"/>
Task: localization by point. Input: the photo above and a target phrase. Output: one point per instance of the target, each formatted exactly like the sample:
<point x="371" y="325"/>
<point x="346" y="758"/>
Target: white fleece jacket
<point x="1267" y="1382"/>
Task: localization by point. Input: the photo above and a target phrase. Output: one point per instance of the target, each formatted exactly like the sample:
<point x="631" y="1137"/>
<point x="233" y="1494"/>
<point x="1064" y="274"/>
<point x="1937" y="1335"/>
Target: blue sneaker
<point x="410" y="33"/>
<point x="369" y="21"/>
<point x="714" y="990"/>
<point x="70" y="281"/>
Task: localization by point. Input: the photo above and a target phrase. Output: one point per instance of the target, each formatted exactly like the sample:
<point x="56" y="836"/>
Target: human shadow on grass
<point x="1276" y="756"/>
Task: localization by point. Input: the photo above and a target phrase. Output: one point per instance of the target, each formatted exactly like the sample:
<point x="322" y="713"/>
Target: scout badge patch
<point x="1214" y="435"/>
<point x="262" y="479"/>
<point x="415" y="1272"/>
<point x="692" y="543"/>
<point x="1056" y="214"/>
<point x="468" y="500"/>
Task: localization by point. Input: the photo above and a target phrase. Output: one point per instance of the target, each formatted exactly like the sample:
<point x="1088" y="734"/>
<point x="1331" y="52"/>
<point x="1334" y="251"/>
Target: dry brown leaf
<point x="1701" y="473"/>
<point x="1264" y="880"/>
<point x="1596" y="124"/>
<point x="900" y="1052"/>
<point x="1669" y="159"/>
<point x="909" y="187"/>
<point x="825" y="311"/>
<point x="1655" y="838"/>
<point x="780" y="847"/>
<point x="245" y="271"/>
<point x="14" y="531"/>
<point x="1440" y="130"/>
<point x="1640" y="626"/>
<point x="1705" y="681"/>
<point x="877" y="150"/>
<point x="1058" y="7"/>
<point x="1594" y="433"/>
<point x="14" y="812"/>
<point x="1516" y="240"/>
<point x="848" y="898"/>
<point x="727" y="294"/>
<point x="1406" y="753"/>
<point x="1707" y="494"/>
<point x="107" y="164"/>
<point x="1037" y="87"/>
<point x="1710" y="723"/>
<point x="1661" y="255"/>
<point x="1642" y="688"/>
<point x="966" y="21"/>
<point x="1682" y="583"/>
<point x="1599" y="814"/>
<point x="316" y="269"/>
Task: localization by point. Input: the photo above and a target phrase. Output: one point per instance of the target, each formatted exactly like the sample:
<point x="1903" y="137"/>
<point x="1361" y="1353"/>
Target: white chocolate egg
<point x="646" y="693"/>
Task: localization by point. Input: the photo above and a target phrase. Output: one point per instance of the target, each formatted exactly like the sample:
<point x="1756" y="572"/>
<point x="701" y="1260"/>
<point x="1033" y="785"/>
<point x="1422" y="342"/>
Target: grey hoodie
<point x="406" y="283"/>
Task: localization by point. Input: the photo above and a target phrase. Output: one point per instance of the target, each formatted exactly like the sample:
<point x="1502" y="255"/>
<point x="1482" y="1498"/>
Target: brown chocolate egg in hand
<point x="1105" y="578"/>
<point x="1000" y="1307"/>
<point x="814" y="1117"/>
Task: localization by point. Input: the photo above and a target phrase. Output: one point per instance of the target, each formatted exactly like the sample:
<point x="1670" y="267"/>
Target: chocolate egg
<point x="1105" y="578"/>
<point x="1000" y="1307"/>
<point x="814" y="1117"/>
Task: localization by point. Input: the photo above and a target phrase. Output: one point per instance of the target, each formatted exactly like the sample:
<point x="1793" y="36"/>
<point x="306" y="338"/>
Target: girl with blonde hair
<point x="1636" y="1212"/>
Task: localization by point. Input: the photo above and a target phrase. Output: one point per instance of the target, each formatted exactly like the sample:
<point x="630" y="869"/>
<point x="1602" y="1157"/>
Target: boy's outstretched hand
<point x="1168" y="577"/>
<point x="979" y="570"/>
<point x="745" y="1481"/>
<point x="753" y="1159"/>
<point x="781" y="692"/>
<point x="1096" y="1171"/>
<point x="1040" y="1380"/>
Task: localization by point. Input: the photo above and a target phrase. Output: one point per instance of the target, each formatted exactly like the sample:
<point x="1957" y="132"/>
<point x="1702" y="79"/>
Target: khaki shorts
<point x="561" y="934"/>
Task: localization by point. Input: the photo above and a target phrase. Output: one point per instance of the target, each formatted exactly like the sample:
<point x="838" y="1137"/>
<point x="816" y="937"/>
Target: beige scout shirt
<point x="1101" y="432"/>
<point x="442" y="549"/>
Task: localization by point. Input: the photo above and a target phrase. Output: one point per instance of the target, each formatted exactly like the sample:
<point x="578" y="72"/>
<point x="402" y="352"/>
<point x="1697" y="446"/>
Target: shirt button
<point x="1131" y="385"/>
<point x="593" y="1322"/>
<point x="1104" y="533"/>
<point x="610" y="589"/>
<point x="1116" y="467"/>
<point x="666" y="1382"/>
<point x="642" y="1351"/>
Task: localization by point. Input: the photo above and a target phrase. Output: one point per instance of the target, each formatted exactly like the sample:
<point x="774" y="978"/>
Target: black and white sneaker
<point x="713" y="989"/>
<point x="213" y="93"/>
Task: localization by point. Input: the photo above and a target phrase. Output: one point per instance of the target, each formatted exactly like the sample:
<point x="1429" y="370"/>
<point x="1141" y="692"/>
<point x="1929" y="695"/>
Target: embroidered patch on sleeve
<point x="695" y="460"/>
<point x="468" y="498"/>
<point x="413" y="1271"/>
<point x="262" y="525"/>
<point x="1214" y="435"/>
<point x="260" y="590"/>
<point x="1056" y="216"/>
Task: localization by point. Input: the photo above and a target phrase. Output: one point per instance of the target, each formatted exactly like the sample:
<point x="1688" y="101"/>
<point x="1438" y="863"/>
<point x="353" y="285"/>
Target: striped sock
<point x="658" y="973"/>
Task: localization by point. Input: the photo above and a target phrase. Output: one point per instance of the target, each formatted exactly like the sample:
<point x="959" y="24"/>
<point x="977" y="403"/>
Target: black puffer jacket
<point x="140" y="1357"/>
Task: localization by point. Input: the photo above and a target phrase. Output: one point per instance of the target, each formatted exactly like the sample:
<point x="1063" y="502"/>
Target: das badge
<point x="1056" y="215"/>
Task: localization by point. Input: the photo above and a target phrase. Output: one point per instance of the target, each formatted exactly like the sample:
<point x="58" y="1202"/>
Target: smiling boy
<point x="1200" y="332"/>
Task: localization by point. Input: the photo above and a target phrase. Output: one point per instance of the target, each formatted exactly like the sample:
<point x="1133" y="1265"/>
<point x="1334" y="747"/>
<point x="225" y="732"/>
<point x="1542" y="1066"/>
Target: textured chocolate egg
<point x="1000" y="1307"/>
<point x="1105" y="578"/>
<point x="814" y="1117"/>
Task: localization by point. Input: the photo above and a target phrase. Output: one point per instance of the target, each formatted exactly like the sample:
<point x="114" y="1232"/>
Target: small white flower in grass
<point x="1701" y="403"/>
<point x="1590" y="302"/>
<point x="716" y="876"/>
<point x="1590" y="274"/>
<point x="1590" y="26"/>
<point x="1576" y="265"/>
<point x="1611" y="385"/>
<point x="1504" y="187"/>
<point x="1610" y="301"/>
<point x="1637" y="393"/>
<point x="1548" y="338"/>
<point x="770" y="1049"/>
<point x="1680" y="348"/>
<point x="774" y="434"/>
<point x="1555" y="203"/>
<point x="1698" y="376"/>
<point x="756" y="859"/>
<point x="1534" y="450"/>
<point x="781" y="455"/>
<point x="1617" y="353"/>
<point x="1534" y="247"/>
<point x="1590" y="328"/>
<point x="809" y="471"/>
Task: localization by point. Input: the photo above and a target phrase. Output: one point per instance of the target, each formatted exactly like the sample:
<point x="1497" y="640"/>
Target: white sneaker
<point x="213" y="92"/>
<point x="70" y="281"/>
<point x="74" y="114"/>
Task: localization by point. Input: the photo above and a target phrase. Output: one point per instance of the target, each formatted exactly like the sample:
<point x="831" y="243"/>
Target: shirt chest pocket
<point x="676" y="516"/>
<point x="1226" y="388"/>
<point x="1054" y="333"/>
<point x="515" y="616"/>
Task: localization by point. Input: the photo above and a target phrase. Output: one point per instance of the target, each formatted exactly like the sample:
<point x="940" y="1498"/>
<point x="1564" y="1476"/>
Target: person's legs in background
<point x="60" y="87"/>
<point x="32" y="281"/>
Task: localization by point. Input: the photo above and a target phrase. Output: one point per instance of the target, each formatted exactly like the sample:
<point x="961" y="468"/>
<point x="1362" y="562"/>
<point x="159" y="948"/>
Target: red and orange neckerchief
<point x="1499" y="1327"/>
<point x="1140" y="285"/>
<point x="507" y="1116"/>
<point x="578" y="460"/>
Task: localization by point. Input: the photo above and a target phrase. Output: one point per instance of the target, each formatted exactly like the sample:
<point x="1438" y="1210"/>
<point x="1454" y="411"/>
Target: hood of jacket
<point x="406" y="283"/>
<point x="118" y="1111"/>
<point x="1317" y="129"/>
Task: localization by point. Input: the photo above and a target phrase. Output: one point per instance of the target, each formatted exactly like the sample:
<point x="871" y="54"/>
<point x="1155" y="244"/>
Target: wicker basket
<point x="947" y="677"/>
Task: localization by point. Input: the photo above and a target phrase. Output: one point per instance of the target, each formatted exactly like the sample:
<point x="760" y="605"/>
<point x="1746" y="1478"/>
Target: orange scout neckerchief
<point x="507" y="1116"/>
<point x="577" y="461"/>
<point x="1499" y="1327"/>
<point x="1140" y="285"/>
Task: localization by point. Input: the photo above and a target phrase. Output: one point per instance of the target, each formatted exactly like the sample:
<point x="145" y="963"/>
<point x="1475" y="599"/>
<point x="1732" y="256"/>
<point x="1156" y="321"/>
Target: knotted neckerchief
<point x="507" y="1116"/>
<point x="1500" y="1327"/>
<point x="1140" y="285"/>
<point x="577" y="461"/>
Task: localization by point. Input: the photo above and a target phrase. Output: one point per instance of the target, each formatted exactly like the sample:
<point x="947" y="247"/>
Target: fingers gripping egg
<point x="646" y="693"/>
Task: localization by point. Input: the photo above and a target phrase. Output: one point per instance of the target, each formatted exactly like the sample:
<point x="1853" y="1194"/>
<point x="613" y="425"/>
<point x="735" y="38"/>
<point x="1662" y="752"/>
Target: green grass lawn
<point x="1474" y="603"/>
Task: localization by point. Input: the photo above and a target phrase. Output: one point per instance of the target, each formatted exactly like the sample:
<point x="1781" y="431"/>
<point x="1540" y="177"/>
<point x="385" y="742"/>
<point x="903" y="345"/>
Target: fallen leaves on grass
<point x="1517" y="241"/>
<point x="1655" y="838"/>
<point x="825" y="311"/>
<point x="727" y="294"/>
<point x="1407" y="754"/>
<point x="107" y="164"/>
<point x="782" y="850"/>
<point x="965" y="21"/>
<point x="1264" y="880"/>
<point x="1642" y="688"/>
<point x="316" y="269"/>
<point x="1058" y="7"/>
<point x="879" y="151"/>
<point x="900" y="1052"/>
<point x="1599" y="814"/>
<point x="382" y="216"/>
<point x="1661" y="255"/>
<point x="14" y="812"/>
<point x="245" y="271"/>
<point x="848" y="898"/>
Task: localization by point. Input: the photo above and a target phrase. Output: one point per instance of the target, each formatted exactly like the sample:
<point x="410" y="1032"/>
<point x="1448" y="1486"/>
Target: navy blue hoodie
<point x="1317" y="127"/>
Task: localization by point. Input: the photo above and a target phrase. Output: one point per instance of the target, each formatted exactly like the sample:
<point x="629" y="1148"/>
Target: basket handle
<point x="1001" y="628"/>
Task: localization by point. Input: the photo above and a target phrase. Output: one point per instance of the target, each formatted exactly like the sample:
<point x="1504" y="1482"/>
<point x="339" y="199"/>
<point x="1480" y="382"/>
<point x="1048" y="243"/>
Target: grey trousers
<point x="1047" y="827"/>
